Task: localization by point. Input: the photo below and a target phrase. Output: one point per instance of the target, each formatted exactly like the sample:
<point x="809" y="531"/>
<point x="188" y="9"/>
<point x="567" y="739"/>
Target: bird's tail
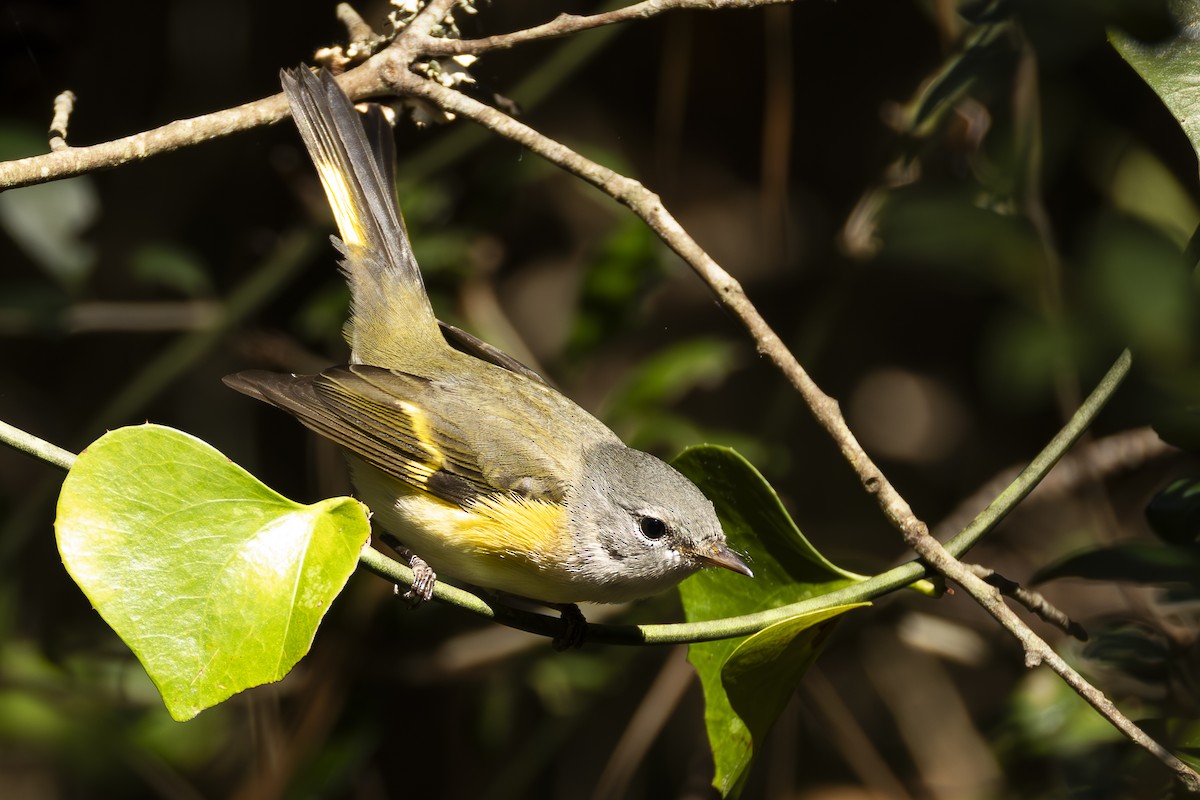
<point x="391" y="321"/>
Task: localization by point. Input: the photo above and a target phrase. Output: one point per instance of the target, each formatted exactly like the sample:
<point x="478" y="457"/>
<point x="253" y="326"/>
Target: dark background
<point x="762" y="130"/>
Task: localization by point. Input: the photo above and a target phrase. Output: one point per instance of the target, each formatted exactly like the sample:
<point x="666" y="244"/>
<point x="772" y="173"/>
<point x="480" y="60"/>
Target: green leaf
<point x="216" y="582"/>
<point x="639" y="408"/>
<point x="1141" y="288"/>
<point x="1183" y="734"/>
<point x="1171" y="67"/>
<point x="758" y="678"/>
<point x="747" y="681"/>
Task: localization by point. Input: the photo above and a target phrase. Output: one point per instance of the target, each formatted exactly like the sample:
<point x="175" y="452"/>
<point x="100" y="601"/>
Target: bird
<point x="475" y="465"/>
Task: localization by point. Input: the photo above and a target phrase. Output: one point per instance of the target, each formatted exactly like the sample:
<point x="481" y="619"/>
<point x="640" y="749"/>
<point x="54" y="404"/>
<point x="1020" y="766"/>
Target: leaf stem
<point x="38" y="448"/>
<point x="1043" y="462"/>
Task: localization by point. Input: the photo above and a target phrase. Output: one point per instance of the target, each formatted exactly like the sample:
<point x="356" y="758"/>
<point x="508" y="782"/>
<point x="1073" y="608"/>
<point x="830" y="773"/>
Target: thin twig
<point x="541" y="624"/>
<point x="172" y="136"/>
<point x="414" y="42"/>
<point x="1035" y="602"/>
<point x="357" y="29"/>
<point x="566" y="24"/>
<point x="64" y="104"/>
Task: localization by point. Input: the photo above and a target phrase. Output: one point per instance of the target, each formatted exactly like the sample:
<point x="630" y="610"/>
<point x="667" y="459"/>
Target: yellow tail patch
<point x="341" y="200"/>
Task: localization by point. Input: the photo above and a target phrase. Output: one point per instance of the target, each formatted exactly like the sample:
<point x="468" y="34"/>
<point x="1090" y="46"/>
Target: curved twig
<point x="566" y="24"/>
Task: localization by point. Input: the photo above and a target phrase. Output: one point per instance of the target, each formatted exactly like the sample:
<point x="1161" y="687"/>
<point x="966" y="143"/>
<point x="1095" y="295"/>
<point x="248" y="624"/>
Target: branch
<point x="566" y="24"/>
<point x="64" y="104"/>
<point x="67" y="161"/>
<point x="1036" y="650"/>
<point x="1035" y="602"/>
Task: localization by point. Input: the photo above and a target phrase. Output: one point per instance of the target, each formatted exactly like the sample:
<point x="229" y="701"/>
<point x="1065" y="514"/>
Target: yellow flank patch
<point x="516" y="527"/>
<point x="341" y="200"/>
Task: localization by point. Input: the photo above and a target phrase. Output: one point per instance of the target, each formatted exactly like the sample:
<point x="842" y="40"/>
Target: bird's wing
<point x="451" y="439"/>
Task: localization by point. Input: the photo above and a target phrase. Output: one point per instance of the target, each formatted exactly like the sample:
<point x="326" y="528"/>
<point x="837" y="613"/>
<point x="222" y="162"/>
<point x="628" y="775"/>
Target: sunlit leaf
<point x="216" y="582"/>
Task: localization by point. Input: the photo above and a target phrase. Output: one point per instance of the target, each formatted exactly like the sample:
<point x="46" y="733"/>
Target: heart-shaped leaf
<point x="216" y="582"/>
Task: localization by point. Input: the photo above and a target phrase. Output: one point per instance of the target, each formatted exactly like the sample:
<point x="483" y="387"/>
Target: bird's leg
<point x="424" y="578"/>
<point x="574" y="627"/>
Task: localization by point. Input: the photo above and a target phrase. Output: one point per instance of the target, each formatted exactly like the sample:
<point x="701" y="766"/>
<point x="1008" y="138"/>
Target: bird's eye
<point x="652" y="527"/>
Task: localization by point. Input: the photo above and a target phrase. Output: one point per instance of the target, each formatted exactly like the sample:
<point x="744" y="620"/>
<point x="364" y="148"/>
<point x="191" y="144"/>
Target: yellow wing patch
<point x="341" y="200"/>
<point x="423" y="434"/>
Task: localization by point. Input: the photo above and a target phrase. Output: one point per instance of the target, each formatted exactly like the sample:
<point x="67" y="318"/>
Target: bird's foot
<point x="574" y="627"/>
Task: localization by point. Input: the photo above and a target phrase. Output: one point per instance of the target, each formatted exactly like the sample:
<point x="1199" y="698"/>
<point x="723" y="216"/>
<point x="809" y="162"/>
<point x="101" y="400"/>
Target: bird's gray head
<point x="641" y="526"/>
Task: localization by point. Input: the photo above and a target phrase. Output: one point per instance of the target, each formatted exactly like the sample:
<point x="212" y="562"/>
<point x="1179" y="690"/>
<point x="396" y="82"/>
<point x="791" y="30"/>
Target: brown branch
<point x="66" y="162"/>
<point x="357" y="29"/>
<point x="565" y="24"/>
<point x="1034" y="601"/>
<point x="70" y="161"/>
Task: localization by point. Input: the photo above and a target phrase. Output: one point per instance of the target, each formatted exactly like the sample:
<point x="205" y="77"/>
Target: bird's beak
<point x="719" y="555"/>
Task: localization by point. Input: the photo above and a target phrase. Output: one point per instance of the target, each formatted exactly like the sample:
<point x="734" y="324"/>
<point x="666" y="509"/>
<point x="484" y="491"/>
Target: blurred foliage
<point x="981" y="193"/>
<point x="171" y="267"/>
<point x="1151" y="659"/>
<point x="48" y="221"/>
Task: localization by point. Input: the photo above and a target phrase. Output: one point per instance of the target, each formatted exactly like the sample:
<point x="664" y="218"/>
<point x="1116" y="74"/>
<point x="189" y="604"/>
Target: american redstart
<point x="464" y="455"/>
